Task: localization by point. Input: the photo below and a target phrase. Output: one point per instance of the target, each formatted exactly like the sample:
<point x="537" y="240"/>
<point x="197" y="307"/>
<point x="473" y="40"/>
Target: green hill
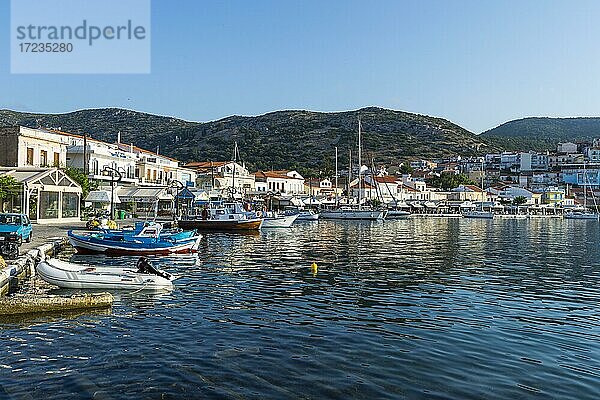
<point x="282" y="139"/>
<point x="541" y="133"/>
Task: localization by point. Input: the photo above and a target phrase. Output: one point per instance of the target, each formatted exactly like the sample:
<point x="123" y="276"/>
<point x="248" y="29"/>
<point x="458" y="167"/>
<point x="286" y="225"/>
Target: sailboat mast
<point x="349" y="175"/>
<point x="584" y="187"/>
<point x="336" y="177"/>
<point x="359" y="162"/>
<point x="233" y="173"/>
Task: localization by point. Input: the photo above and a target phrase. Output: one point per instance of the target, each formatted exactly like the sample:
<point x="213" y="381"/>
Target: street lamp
<point x="178" y="186"/>
<point x="112" y="172"/>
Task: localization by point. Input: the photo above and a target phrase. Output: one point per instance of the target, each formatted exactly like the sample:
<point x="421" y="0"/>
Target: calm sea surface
<point x="417" y="308"/>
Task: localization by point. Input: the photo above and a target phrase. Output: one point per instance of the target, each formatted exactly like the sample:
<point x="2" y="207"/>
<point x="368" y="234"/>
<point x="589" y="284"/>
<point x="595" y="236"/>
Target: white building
<point x="222" y="175"/>
<point x="283" y="181"/>
<point x="566" y="148"/>
<point x="27" y="147"/>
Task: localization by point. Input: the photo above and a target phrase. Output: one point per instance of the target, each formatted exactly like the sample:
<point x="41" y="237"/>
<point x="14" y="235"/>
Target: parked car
<point x="15" y="224"/>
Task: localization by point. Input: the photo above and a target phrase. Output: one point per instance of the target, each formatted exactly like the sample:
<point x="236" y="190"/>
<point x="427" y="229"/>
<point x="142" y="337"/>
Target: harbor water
<point x="415" y="308"/>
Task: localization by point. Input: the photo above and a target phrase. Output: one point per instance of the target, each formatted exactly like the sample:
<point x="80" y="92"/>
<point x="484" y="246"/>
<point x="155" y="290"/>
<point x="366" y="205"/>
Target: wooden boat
<point x="148" y="241"/>
<point x="74" y="276"/>
<point x="229" y="217"/>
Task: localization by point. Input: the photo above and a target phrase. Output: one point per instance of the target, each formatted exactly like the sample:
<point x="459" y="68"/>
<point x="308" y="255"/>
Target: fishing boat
<point x="273" y="220"/>
<point x="148" y="241"/>
<point x="75" y="276"/>
<point x="228" y="217"/>
<point x="174" y="234"/>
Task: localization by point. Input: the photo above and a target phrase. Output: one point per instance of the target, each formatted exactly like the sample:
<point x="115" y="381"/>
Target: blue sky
<point x="477" y="63"/>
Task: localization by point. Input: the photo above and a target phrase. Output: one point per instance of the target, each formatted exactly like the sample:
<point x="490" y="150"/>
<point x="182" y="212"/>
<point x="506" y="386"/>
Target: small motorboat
<point x="148" y="241"/>
<point x="75" y="276"/>
<point x="273" y="220"/>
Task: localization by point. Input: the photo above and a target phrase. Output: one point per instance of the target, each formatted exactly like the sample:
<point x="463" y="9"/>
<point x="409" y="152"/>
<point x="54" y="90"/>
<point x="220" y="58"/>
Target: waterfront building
<point x="508" y="193"/>
<point x="282" y="181"/>
<point x="467" y="193"/>
<point x="155" y="169"/>
<point x="100" y="155"/>
<point x="554" y="196"/>
<point x="223" y="175"/>
<point x="324" y="187"/>
<point x="46" y="195"/>
<point x="21" y="146"/>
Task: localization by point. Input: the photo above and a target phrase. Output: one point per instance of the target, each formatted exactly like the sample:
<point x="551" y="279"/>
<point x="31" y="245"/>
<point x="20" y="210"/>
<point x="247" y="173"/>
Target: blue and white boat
<point x="148" y="241"/>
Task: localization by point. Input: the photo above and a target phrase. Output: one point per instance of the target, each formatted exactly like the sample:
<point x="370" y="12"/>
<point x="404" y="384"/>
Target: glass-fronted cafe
<point x="46" y="195"/>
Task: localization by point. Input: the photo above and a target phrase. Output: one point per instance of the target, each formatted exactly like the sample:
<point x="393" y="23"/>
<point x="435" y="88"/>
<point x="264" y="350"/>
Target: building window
<point x="69" y="205"/>
<point x="48" y="205"/>
<point x="43" y="158"/>
<point x="56" y="159"/>
<point x="30" y="156"/>
<point x="95" y="167"/>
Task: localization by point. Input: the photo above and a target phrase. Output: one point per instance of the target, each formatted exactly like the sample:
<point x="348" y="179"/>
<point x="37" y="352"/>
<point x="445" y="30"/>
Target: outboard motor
<point x="9" y="245"/>
<point x="144" y="266"/>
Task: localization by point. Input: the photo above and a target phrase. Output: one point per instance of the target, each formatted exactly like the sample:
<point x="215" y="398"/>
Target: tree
<point x="449" y="181"/>
<point x="9" y="186"/>
<point x="519" y="200"/>
<point x="406" y="169"/>
<point x="82" y="180"/>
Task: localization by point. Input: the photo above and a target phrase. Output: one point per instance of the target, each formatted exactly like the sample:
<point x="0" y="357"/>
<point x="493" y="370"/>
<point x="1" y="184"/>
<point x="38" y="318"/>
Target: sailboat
<point x="480" y="213"/>
<point x="585" y="214"/>
<point x="348" y="212"/>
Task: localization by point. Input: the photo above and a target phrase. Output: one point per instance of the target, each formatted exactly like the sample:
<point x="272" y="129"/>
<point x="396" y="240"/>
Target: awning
<point x="101" y="196"/>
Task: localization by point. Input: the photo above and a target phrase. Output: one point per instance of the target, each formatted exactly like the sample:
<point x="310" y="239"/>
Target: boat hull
<point x="71" y="276"/>
<point x="396" y="214"/>
<point x="353" y="215"/>
<point x="279" y="222"/>
<point x="479" y="215"/>
<point x="221" y="225"/>
<point x="586" y="216"/>
<point x="88" y="245"/>
<point x="308" y="217"/>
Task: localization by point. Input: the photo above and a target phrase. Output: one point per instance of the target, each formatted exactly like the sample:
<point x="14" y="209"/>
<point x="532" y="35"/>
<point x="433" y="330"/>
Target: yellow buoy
<point x="314" y="268"/>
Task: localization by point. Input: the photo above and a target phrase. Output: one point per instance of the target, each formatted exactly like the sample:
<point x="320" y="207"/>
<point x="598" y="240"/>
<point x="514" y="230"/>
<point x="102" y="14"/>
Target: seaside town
<point x="128" y="181"/>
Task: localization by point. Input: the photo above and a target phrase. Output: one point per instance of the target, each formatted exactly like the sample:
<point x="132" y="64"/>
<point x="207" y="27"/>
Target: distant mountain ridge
<point x="543" y="133"/>
<point x="281" y="139"/>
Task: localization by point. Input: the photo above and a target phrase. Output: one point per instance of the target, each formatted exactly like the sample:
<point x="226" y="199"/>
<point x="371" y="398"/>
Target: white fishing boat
<point x="278" y="221"/>
<point x="75" y="276"/>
